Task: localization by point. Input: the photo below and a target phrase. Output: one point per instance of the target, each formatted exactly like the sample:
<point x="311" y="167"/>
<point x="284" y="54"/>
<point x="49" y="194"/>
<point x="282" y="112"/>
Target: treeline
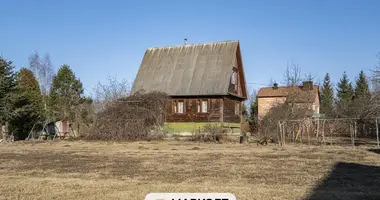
<point x="359" y="99"/>
<point x="35" y="95"/>
<point x="351" y="100"/>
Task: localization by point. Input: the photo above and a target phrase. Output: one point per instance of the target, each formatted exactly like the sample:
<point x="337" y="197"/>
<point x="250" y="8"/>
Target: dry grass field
<point x="101" y="170"/>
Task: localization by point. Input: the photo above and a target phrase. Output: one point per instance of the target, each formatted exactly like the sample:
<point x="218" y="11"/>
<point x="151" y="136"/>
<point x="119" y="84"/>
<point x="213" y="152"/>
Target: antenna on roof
<point x="185" y="41"/>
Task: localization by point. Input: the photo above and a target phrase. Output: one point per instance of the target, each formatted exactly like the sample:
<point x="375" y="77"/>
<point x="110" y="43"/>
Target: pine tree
<point x="362" y="87"/>
<point x="345" y="93"/>
<point x="7" y="81"/>
<point x="27" y="103"/>
<point x="65" y="94"/>
<point x="253" y="112"/>
<point x="245" y="111"/>
<point x="327" y="97"/>
<point x="362" y="97"/>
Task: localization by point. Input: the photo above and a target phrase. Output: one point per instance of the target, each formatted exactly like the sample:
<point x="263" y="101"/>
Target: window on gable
<point x="234" y="79"/>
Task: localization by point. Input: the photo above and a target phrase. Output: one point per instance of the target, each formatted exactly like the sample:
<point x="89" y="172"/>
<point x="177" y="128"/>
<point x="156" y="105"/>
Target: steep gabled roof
<point x="297" y="93"/>
<point x="187" y="70"/>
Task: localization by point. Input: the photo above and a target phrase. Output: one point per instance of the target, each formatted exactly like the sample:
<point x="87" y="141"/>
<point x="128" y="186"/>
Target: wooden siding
<point x="191" y="113"/>
<point x="220" y="109"/>
<point x="229" y="104"/>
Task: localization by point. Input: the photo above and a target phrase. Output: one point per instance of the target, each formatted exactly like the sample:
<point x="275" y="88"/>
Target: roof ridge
<point x="286" y="86"/>
<point x="198" y="44"/>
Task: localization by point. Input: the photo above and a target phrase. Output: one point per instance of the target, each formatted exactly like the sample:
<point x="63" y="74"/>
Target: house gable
<point x="191" y="70"/>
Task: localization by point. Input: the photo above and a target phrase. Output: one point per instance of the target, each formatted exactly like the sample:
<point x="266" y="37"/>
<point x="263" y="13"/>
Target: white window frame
<point x="204" y="106"/>
<point x="237" y="108"/>
<point x="180" y="107"/>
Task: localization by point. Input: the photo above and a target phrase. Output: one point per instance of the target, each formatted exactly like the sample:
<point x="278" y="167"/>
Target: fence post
<point x="377" y="133"/>
<point x="284" y="133"/>
<point x="323" y="132"/>
<point x="293" y="138"/>
<point x="352" y="133"/>
<point x="317" y="130"/>
<point x="279" y="133"/>
<point x="355" y="133"/>
<point x="301" y="132"/>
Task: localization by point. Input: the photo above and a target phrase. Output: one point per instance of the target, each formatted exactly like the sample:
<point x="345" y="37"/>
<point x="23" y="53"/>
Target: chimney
<point x="307" y="85"/>
<point x="275" y="85"/>
<point x="185" y="41"/>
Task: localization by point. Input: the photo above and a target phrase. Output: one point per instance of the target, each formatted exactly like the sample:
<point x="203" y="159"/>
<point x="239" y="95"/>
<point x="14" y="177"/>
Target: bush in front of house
<point x="136" y="117"/>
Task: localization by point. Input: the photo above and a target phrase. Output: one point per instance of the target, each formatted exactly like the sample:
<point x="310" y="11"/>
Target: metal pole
<point x="377" y="133"/>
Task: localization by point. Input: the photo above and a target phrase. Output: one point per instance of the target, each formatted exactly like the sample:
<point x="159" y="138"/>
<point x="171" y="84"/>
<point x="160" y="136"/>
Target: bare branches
<point x="252" y="92"/>
<point x="43" y="70"/>
<point x="46" y="73"/>
<point x="376" y="76"/>
<point x="292" y="76"/>
<point x="130" y="118"/>
<point x="113" y="90"/>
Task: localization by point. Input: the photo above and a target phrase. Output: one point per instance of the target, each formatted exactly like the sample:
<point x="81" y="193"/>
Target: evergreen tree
<point x="65" y="94"/>
<point x="245" y="111"/>
<point x="6" y="89"/>
<point x="253" y="112"/>
<point x="362" y="97"/>
<point x="27" y="103"/>
<point x="362" y="87"/>
<point x="327" y="97"/>
<point x="345" y="93"/>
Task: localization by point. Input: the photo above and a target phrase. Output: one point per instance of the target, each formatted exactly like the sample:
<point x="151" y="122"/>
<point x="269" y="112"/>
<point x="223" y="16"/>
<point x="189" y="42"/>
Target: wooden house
<point x="205" y="82"/>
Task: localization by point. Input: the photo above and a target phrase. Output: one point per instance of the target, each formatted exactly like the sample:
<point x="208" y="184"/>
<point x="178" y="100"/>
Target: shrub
<point x="136" y="117"/>
<point x="209" y="133"/>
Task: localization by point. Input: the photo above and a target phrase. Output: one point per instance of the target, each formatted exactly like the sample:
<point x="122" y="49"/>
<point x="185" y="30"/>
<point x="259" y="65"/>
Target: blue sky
<point x="102" y="38"/>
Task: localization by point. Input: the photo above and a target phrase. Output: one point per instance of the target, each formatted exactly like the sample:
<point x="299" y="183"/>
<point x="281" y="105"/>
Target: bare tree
<point x="376" y="76"/>
<point x="271" y="82"/>
<point x="44" y="72"/>
<point x="309" y="77"/>
<point x="47" y="73"/>
<point x="292" y="76"/>
<point x="113" y="90"/>
<point x="252" y="92"/>
<point x="35" y="64"/>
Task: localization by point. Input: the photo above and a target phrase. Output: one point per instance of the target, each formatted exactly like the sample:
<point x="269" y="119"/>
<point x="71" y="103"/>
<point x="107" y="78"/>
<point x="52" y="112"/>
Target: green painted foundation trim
<point x="191" y="127"/>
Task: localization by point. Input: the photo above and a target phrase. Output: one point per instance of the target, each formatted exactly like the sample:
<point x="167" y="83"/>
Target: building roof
<point x="297" y="92"/>
<point x="186" y="70"/>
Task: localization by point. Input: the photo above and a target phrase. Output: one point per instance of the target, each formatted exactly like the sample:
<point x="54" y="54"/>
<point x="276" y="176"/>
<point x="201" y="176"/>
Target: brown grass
<point x="107" y="170"/>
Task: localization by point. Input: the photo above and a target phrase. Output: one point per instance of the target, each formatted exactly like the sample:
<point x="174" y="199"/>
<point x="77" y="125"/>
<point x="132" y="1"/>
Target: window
<point x="204" y="106"/>
<point x="178" y="107"/>
<point x="175" y="106"/>
<point x="234" y="79"/>
<point x="237" y="108"/>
